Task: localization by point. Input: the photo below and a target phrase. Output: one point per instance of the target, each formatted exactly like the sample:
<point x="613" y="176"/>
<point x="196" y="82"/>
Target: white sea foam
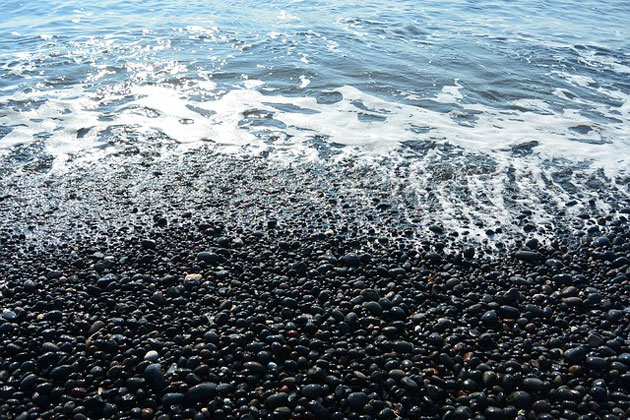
<point x="450" y="94"/>
<point x="364" y="122"/>
<point x="597" y="60"/>
<point x="575" y="79"/>
<point x="581" y="80"/>
<point x="304" y="81"/>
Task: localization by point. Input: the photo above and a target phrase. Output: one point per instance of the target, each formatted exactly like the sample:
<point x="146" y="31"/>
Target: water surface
<point x="302" y="76"/>
<point x="502" y="98"/>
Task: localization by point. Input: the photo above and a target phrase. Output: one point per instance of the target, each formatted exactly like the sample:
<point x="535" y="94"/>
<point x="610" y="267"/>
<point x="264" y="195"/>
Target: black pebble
<point x="350" y="260"/>
<point x="203" y="392"/>
<point x="357" y="400"/>
<point x="575" y="354"/>
<point x="155" y="377"/>
<point x="527" y="256"/>
<point x="276" y="400"/>
<point x="312" y="391"/>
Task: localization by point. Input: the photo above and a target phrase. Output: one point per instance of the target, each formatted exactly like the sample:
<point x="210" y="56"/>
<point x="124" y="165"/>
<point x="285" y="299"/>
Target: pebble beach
<point x="253" y="291"/>
<point x="314" y="210"/>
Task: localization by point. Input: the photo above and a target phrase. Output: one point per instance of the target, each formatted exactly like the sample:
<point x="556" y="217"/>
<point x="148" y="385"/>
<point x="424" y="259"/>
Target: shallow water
<point x="537" y="91"/>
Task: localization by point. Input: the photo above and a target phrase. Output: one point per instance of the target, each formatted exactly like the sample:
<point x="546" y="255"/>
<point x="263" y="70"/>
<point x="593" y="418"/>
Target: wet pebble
<point x="527" y="256"/>
<point x="154" y="376"/>
<point x="151" y="356"/>
<point x="357" y="400"/>
<point x="312" y="391"/>
<point x="203" y="392"/>
<point x="350" y="260"/>
<point x="575" y="354"/>
<point x="276" y="400"/>
<point x="374" y="308"/>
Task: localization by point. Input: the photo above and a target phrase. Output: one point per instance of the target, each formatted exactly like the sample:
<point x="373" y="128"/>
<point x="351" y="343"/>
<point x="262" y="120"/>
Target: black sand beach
<point x="238" y="289"/>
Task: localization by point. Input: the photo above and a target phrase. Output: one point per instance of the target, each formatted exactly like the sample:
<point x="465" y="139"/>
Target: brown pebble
<point x="147" y="414"/>
<point x="78" y="392"/>
<point x="96" y="326"/>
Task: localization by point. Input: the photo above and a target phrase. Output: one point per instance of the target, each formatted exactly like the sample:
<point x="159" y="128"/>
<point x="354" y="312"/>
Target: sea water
<point x="530" y="88"/>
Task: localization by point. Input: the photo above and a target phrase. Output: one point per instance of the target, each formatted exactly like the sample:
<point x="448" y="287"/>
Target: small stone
<point x="620" y="262"/>
<point x="402" y="346"/>
<point x="598" y="393"/>
<point x="385" y="414"/>
<point x="600" y="242"/>
<point x="350" y="260"/>
<point x="48" y="346"/>
<point x="254" y="368"/>
<point x="614" y="315"/>
<point x="490" y="318"/>
<point x="624" y="358"/>
<point x="574" y="301"/>
<point x="532" y="243"/>
<point x="312" y="391"/>
<point x="554" y="263"/>
<point x="434" y="258"/>
<point x="435" y="339"/>
<point x="148" y="244"/>
<point x="223" y="242"/>
<point x="28" y="382"/>
<point x="357" y="400"/>
<point x="203" y="393"/>
<point x="155" y="377"/>
<point x="370" y="295"/>
<point x="463" y="413"/>
<point x="541" y="406"/>
<point x="147" y="414"/>
<point x="96" y="326"/>
<point x="9" y="315"/>
<point x="533" y="385"/>
<point x="172" y="398"/>
<point x="221" y="318"/>
<point x="494" y="413"/>
<point x="106" y="280"/>
<point x="61" y="372"/>
<point x="595" y="340"/>
<point x="520" y="399"/>
<point x="55" y="316"/>
<point x="512" y="296"/>
<point x="409" y="383"/>
<point x="469" y="252"/>
<point x="282" y="413"/>
<point x="151" y="356"/>
<point x="509" y="312"/>
<point x="276" y="400"/>
<point x="157" y="298"/>
<point x="374" y="308"/>
<point x="575" y="354"/>
<point x="489" y="378"/>
<point x="436" y="229"/>
<point x="597" y="363"/>
<point x="54" y="274"/>
<point x="208" y="257"/>
<point x="527" y="256"/>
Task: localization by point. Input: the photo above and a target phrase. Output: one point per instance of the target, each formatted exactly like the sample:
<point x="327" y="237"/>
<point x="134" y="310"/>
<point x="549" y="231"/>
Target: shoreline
<point x="229" y="289"/>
